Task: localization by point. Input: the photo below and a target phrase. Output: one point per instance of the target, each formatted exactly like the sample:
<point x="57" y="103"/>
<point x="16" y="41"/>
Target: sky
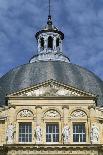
<point x="81" y="21"/>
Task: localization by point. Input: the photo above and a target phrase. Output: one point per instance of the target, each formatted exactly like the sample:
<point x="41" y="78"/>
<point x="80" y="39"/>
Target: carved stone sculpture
<point x="94" y="135"/>
<point x="78" y="113"/>
<point x="10" y="134"/>
<point x="51" y="113"/>
<point x="38" y="134"/>
<point x="25" y="113"/>
<point x="66" y="134"/>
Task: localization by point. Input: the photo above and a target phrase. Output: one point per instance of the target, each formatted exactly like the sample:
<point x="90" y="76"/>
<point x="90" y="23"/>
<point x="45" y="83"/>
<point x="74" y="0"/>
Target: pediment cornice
<point x="51" y="88"/>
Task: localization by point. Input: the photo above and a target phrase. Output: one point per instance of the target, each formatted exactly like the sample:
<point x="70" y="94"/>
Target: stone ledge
<point x="51" y="146"/>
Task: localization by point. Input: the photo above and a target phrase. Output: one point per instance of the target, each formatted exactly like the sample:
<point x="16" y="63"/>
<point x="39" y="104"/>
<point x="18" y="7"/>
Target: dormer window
<point x="57" y="42"/>
<point x="50" y="42"/>
<point x="42" y="42"/>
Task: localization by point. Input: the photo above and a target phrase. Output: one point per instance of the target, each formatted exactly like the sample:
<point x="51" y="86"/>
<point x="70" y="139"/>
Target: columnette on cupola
<point x="49" y="40"/>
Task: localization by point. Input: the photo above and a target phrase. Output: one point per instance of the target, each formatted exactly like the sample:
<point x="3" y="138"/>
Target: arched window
<point x="50" y="42"/>
<point x="42" y="42"/>
<point x="57" y="42"/>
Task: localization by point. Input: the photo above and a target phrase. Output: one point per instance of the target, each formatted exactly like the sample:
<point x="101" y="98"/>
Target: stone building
<point x="51" y="106"/>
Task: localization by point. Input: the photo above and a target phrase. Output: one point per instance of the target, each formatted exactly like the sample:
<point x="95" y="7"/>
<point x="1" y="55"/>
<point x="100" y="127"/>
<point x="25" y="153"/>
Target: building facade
<point x="51" y="106"/>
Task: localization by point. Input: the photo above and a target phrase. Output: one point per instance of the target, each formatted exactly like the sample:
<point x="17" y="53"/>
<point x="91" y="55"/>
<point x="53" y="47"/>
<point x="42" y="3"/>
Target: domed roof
<point x="38" y="72"/>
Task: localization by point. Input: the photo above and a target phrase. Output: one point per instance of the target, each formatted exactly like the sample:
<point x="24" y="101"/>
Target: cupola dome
<point x="49" y="41"/>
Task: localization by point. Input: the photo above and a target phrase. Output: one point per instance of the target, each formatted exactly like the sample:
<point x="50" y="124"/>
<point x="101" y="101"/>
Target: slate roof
<point x="38" y="72"/>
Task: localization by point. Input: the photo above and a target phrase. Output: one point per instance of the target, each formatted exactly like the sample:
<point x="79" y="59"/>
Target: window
<point x="42" y="43"/>
<point x="25" y="132"/>
<point x="57" y="42"/>
<point x="52" y="132"/>
<point x="50" y="42"/>
<point x="79" y="133"/>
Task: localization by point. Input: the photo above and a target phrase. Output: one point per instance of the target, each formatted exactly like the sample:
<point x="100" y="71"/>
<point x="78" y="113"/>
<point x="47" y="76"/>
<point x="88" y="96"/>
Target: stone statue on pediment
<point x="66" y="134"/>
<point x="10" y="133"/>
<point x="94" y="135"/>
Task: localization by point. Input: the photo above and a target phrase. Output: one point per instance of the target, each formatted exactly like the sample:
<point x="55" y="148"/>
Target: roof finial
<point x="49" y="16"/>
<point x="49" y="8"/>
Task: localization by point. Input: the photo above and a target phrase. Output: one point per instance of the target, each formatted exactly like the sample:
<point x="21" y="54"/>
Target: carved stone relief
<point x="78" y="113"/>
<point x="25" y="113"/>
<point x="51" y="90"/>
<point x="52" y="113"/>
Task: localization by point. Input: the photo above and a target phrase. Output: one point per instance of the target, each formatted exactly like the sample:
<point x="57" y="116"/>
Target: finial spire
<point x="49" y="16"/>
<point x="49" y="8"/>
<point x="49" y="42"/>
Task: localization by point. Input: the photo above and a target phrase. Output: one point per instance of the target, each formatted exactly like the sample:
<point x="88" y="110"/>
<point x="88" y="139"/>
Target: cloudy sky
<point x="80" y="20"/>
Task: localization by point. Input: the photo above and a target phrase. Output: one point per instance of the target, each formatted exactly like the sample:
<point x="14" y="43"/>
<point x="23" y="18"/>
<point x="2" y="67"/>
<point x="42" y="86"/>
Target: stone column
<point x="11" y="124"/>
<point x="65" y="114"/>
<point x="65" y="126"/>
<point x="38" y="125"/>
<point x="91" y="121"/>
<point x="61" y="45"/>
<point x="54" y="43"/>
<point x="45" y="43"/>
<point x="38" y="114"/>
<point x="39" y="45"/>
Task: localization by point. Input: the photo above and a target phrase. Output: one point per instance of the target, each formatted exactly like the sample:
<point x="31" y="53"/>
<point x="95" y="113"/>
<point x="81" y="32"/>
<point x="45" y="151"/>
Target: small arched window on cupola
<point x="50" y="42"/>
<point x="57" y="42"/>
<point x="42" y="42"/>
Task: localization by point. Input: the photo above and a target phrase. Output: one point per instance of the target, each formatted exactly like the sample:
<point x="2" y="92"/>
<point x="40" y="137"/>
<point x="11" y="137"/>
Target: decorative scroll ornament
<point x="38" y="134"/>
<point x="66" y="134"/>
<point x="78" y="113"/>
<point x="52" y="113"/>
<point x="25" y="113"/>
<point x="94" y="135"/>
<point x="10" y="133"/>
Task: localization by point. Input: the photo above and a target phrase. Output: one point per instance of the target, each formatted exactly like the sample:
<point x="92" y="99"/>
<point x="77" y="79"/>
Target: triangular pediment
<point x="51" y="88"/>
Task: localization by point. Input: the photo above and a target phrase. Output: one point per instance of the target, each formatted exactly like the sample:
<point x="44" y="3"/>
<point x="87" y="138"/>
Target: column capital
<point x="91" y="106"/>
<point x="65" y="107"/>
<point x="38" y="107"/>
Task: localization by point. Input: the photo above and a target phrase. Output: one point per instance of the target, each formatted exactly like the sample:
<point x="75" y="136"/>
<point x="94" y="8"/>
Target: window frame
<point x="26" y="134"/>
<point x="57" y="42"/>
<point x="42" y="43"/>
<point x="79" y="133"/>
<point x="50" y="42"/>
<point x="55" y="133"/>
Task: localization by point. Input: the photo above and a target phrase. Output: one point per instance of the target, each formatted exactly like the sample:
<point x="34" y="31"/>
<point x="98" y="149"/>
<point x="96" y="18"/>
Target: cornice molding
<point x="55" y="89"/>
<point x="53" y="146"/>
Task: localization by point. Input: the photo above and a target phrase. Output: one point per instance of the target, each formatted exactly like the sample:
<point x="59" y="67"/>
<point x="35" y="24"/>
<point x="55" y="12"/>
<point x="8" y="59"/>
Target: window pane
<point x="84" y="138"/>
<point x="50" y="129"/>
<point x="30" y="138"/>
<point x="76" y="138"/>
<point x="48" y="138"/>
<point x="79" y="134"/>
<point x="50" y="42"/>
<point x="55" y="137"/>
<point x="52" y="135"/>
<point x="57" y="42"/>
<point x="42" y="43"/>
